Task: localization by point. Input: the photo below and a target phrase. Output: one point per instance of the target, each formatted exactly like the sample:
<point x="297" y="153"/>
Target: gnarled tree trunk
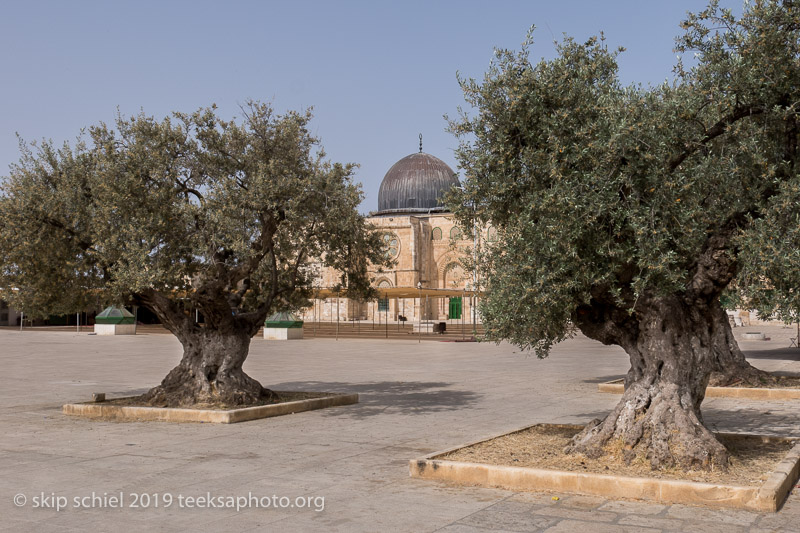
<point x="731" y="367"/>
<point x="670" y="343"/>
<point x="210" y="372"/>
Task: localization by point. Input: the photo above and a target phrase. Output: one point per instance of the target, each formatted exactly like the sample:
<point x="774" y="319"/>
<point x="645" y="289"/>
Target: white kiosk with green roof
<point x="283" y="326"/>
<point x="115" y="321"/>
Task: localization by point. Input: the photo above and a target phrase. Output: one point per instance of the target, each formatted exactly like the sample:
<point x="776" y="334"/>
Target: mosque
<point x="428" y="281"/>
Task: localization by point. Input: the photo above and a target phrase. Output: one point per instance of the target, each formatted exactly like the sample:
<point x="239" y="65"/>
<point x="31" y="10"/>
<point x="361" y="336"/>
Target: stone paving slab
<point x="415" y="399"/>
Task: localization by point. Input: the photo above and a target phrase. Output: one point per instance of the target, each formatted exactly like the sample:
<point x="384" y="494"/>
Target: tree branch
<point x="715" y="131"/>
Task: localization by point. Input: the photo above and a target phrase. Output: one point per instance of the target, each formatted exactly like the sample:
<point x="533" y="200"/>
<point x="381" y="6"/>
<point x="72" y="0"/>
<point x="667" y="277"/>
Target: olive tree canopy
<point x="626" y="210"/>
<point x="190" y="212"/>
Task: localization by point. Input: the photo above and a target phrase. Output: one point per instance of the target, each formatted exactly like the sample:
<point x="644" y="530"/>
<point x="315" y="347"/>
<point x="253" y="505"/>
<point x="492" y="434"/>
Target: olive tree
<point x="192" y="212"/>
<point x="625" y="211"/>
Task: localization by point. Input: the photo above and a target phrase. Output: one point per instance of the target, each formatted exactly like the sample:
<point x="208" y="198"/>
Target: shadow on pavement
<point x="126" y="392"/>
<point x="604" y="379"/>
<point x="789" y="354"/>
<point x="588" y="417"/>
<point x="752" y="420"/>
<point x="408" y="397"/>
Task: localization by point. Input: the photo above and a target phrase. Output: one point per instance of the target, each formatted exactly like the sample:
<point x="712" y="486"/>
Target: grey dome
<point x="415" y="184"/>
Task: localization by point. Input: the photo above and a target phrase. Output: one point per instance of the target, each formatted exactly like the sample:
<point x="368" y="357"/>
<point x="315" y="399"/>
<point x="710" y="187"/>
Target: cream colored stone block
<point x="283" y="334"/>
<point x="115" y="329"/>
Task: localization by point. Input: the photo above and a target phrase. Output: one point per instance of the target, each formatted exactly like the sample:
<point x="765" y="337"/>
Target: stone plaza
<point x="339" y="469"/>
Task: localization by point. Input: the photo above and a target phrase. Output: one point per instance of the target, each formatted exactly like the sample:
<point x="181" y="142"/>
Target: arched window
<point x="436" y="234"/>
<point x="455" y="233"/>
<point x="491" y="234"/>
<point x="392" y="245"/>
<point x="383" y="303"/>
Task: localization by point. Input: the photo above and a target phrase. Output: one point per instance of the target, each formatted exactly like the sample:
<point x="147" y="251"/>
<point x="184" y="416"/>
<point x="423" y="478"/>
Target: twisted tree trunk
<point x="210" y="373"/>
<point x="671" y="348"/>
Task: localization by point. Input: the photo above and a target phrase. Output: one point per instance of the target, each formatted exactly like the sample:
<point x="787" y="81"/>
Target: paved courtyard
<point x="348" y="466"/>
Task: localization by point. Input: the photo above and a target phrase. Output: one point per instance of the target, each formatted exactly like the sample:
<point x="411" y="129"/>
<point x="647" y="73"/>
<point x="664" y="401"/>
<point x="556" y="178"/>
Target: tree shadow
<point x="127" y="392"/>
<point x="760" y="420"/>
<point x="376" y="398"/>
<point x="588" y="417"/>
<point x="786" y="354"/>
<point x="604" y="379"/>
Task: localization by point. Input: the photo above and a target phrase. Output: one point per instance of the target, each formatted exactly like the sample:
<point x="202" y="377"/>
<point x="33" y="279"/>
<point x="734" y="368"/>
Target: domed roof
<point x="415" y="184"/>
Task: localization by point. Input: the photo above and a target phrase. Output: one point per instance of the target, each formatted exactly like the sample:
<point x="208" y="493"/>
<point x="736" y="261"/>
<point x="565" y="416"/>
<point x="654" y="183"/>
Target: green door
<point x="455" y="308"/>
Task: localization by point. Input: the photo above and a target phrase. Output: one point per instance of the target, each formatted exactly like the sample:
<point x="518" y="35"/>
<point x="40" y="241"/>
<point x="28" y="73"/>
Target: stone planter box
<point x="768" y="496"/>
<point x="617" y="386"/>
<point x="126" y="413"/>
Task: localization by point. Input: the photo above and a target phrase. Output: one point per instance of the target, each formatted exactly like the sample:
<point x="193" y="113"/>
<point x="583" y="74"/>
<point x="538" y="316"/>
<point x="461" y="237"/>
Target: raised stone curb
<point x="232" y="416"/>
<point x="617" y="387"/>
<point x="769" y="496"/>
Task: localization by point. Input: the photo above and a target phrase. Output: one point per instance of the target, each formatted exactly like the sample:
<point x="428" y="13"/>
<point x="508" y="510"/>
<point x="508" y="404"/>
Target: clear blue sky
<point x="376" y="73"/>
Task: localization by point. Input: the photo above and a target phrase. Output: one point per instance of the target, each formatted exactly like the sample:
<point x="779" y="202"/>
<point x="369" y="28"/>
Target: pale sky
<point x="376" y="73"/>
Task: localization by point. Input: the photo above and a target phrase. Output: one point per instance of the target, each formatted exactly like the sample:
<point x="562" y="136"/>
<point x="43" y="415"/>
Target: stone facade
<point x="427" y="250"/>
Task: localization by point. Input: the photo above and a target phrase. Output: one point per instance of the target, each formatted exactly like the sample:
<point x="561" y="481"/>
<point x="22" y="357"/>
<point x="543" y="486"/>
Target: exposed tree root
<point x="657" y="423"/>
<point x="181" y="389"/>
<point x="210" y="373"/>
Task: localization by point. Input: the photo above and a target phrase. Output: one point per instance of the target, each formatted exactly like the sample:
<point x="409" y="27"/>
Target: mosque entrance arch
<point x="454" y="276"/>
